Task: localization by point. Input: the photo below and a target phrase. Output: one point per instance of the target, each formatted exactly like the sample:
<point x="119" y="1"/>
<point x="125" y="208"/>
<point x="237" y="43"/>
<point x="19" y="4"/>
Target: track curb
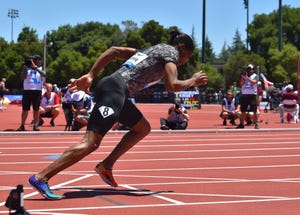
<point x="26" y="133"/>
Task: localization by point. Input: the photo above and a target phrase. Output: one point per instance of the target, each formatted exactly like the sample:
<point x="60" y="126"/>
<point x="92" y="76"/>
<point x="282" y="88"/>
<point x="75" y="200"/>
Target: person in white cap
<point x="289" y="104"/>
<point x="82" y="108"/>
<point x="248" y="99"/>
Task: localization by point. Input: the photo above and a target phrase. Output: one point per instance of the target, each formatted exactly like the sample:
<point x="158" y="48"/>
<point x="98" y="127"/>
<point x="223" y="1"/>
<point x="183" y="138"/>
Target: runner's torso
<point x="146" y="66"/>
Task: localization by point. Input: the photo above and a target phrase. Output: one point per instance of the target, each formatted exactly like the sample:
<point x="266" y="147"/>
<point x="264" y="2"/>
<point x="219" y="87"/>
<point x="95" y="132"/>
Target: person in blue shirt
<point x="230" y="109"/>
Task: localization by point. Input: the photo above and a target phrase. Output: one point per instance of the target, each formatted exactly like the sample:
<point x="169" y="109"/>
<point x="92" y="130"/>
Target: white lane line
<point x="193" y="182"/>
<point x="52" y="213"/>
<point x="165" y="159"/>
<point x="210" y="168"/>
<point x="155" y="195"/>
<point x="164" y="205"/>
<point x="204" y="137"/>
<point x="200" y="180"/>
<point x="183" y="169"/>
<point x="209" y="182"/>
<point x="166" y="135"/>
<point x="177" y="151"/>
<point x="225" y="195"/>
<point x="186" y="144"/>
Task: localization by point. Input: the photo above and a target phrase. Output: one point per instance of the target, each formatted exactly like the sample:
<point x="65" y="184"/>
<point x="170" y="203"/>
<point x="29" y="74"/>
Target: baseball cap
<point x="250" y="66"/>
<point x="290" y="87"/>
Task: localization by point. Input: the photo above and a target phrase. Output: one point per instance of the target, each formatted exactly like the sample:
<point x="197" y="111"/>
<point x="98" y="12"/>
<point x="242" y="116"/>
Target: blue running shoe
<point x="43" y="188"/>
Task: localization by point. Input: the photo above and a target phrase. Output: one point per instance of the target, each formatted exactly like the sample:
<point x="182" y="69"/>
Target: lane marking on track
<point x="185" y="169"/>
<point x="52" y="213"/>
<point x="207" y="181"/>
<point x="211" y="179"/>
<point x="188" y="142"/>
<point x="155" y="195"/>
<point x="211" y="168"/>
<point x="226" y="195"/>
<point x="204" y="180"/>
<point x="180" y="151"/>
<point x="207" y="136"/>
<point x="201" y="144"/>
<point x="164" y="159"/>
<point x="164" y="205"/>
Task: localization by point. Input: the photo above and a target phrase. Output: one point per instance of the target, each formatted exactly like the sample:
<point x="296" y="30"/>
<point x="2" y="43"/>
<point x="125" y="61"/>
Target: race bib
<point x="106" y="111"/>
<point x="135" y="59"/>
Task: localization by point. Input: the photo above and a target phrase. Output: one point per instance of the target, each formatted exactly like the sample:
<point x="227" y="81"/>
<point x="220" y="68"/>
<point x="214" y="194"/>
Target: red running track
<point x="196" y="172"/>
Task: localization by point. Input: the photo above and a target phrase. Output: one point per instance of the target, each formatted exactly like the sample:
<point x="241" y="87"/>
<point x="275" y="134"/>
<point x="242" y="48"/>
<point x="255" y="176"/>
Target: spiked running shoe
<point x="106" y="175"/>
<point x="43" y="188"/>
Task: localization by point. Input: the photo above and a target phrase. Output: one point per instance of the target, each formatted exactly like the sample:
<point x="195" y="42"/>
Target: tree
<point x="135" y="40"/>
<point x="283" y="65"/>
<point x="237" y="44"/>
<point x="129" y="26"/>
<point x="215" y="79"/>
<point x="225" y="53"/>
<point x="153" y="33"/>
<point x="28" y="35"/>
<point x="291" y="25"/>
<point x="67" y="65"/>
<point x="263" y="30"/>
<point x="209" y="52"/>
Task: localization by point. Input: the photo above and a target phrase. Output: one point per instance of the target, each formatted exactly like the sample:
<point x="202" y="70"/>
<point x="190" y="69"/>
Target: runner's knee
<point x="143" y="126"/>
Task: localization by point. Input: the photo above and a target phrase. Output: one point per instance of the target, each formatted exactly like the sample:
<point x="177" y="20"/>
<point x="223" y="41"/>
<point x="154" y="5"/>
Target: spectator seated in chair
<point x="49" y="106"/>
<point x="230" y="109"/>
<point x="82" y="107"/>
<point x="177" y="118"/>
<point x="289" y="105"/>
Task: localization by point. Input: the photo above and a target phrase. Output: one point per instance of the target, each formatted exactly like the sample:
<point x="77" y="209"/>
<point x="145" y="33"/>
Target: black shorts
<point x="112" y="105"/>
<point x="31" y="97"/>
<point x="248" y="103"/>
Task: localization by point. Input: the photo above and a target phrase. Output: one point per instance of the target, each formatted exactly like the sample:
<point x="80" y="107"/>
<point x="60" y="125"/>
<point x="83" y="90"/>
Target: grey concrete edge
<point x="233" y="130"/>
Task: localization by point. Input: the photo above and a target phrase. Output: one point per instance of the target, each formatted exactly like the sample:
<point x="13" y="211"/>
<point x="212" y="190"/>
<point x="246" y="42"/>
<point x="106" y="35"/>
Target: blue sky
<point x="223" y="17"/>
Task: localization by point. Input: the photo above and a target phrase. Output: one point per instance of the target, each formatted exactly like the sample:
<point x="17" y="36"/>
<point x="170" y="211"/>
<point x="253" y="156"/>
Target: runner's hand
<point x="83" y="83"/>
<point x="200" y="78"/>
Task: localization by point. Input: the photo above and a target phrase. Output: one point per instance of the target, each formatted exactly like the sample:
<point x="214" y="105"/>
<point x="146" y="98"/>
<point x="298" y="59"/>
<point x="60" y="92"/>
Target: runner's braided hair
<point x="176" y="37"/>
